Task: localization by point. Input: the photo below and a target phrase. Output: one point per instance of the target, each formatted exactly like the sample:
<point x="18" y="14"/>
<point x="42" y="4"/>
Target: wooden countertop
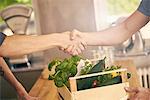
<point x="46" y="89"/>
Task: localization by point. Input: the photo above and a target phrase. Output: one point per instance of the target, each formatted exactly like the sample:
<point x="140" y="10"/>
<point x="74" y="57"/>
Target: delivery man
<point x="116" y="35"/>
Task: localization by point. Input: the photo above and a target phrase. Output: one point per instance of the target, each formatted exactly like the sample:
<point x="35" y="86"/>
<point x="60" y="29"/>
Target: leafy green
<point x="68" y="68"/>
<point x="53" y="63"/>
<point x="101" y="80"/>
<point x="50" y="77"/>
<point x="87" y="82"/>
<point x="87" y="68"/>
<point x="128" y="75"/>
<point x="108" y="80"/>
<point x="99" y="67"/>
<point x="63" y="70"/>
<point x="58" y="81"/>
<point x="73" y="70"/>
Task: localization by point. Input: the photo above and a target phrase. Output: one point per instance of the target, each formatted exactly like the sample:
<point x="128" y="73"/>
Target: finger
<point x="84" y="44"/>
<point x="143" y="89"/>
<point x="132" y="96"/>
<point x="78" y="50"/>
<point x="131" y="90"/>
<point x="75" y="52"/>
<point x="73" y="49"/>
<point x="69" y="48"/>
<point x="81" y="47"/>
<point x="60" y="48"/>
<point x="65" y="49"/>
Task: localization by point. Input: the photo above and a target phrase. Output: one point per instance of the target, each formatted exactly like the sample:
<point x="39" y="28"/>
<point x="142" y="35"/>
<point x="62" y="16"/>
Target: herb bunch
<point x="63" y="70"/>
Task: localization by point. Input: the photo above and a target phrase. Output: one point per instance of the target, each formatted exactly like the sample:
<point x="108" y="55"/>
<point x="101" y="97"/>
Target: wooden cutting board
<point x="46" y="90"/>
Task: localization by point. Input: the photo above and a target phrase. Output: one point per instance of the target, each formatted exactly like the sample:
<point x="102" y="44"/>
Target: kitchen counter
<point x="46" y="89"/>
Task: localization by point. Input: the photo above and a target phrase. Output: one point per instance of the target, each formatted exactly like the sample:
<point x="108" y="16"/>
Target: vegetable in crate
<point x="88" y="82"/>
<point x="101" y="80"/>
<point x="63" y="70"/>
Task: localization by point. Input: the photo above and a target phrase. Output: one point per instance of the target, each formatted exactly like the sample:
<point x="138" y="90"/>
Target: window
<point x="108" y="11"/>
<point x="120" y="8"/>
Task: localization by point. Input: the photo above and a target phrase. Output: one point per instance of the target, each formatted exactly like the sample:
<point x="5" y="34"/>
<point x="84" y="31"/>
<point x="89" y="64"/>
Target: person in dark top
<point x="116" y="35"/>
<point x="22" y="44"/>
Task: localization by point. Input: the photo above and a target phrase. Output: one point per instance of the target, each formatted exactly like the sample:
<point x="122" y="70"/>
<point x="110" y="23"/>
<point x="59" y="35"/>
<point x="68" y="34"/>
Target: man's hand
<point x="75" y="36"/>
<point x="138" y="93"/>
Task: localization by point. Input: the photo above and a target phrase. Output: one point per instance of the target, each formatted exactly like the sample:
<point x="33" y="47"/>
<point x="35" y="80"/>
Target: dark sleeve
<point x="2" y="37"/>
<point x="144" y="7"/>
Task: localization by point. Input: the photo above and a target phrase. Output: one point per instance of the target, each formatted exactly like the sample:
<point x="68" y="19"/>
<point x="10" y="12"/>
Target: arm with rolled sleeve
<point x="17" y="45"/>
<point x="8" y="75"/>
<point x="141" y="93"/>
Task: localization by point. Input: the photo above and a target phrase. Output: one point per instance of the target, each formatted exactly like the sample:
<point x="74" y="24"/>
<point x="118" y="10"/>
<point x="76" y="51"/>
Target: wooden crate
<point x="111" y="92"/>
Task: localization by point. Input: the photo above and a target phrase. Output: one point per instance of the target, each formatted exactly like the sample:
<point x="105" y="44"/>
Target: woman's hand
<point x="23" y="95"/>
<point x="138" y="93"/>
<point x="27" y="97"/>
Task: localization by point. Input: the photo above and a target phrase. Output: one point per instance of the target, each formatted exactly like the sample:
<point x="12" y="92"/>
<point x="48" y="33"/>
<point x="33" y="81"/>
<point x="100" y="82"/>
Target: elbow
<point x="6" y="53"/>
<point x="126" y="33"/>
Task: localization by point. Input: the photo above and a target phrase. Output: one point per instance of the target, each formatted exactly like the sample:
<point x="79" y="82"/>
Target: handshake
<point x="72" y="42"/>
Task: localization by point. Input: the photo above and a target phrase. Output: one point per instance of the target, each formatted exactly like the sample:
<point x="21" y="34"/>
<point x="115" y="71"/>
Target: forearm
<point x="19" y="45"/>
<point x="107" y="37"/>
<point x="119" y="33"/>
<point x="11" y="78"/>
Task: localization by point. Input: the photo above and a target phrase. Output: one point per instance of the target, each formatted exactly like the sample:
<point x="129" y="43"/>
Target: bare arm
<point x="119" y="33"/>
<point x="13" y="81"/>
<point x="23" y="44"/>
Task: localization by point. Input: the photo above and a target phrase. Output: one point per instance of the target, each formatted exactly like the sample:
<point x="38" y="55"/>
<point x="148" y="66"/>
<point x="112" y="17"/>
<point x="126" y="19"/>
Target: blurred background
<point x="49" y="16"/>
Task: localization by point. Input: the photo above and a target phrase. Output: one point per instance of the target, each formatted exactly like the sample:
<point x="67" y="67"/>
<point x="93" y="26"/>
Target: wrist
<point x="55" y="39"/>
<point x="85" y="37"/>
<point x="62" y="39"/>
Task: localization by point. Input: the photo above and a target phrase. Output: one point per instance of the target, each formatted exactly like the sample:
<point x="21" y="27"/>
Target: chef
<point x="22" y="44"/>
<point x="118" y="34"/>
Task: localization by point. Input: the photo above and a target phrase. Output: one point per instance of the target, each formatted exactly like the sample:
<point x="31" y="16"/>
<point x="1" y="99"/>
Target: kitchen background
<point x="51" y="16"/>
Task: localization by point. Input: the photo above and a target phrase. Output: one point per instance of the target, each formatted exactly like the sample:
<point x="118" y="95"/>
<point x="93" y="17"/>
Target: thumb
<point x="131" y="90"/>
<point x="61" y="48"/>
<point x="74" y="34"/>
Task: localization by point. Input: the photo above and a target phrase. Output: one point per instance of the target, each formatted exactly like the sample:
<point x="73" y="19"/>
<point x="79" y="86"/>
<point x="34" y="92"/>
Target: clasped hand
<point x="73" y="42"/>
